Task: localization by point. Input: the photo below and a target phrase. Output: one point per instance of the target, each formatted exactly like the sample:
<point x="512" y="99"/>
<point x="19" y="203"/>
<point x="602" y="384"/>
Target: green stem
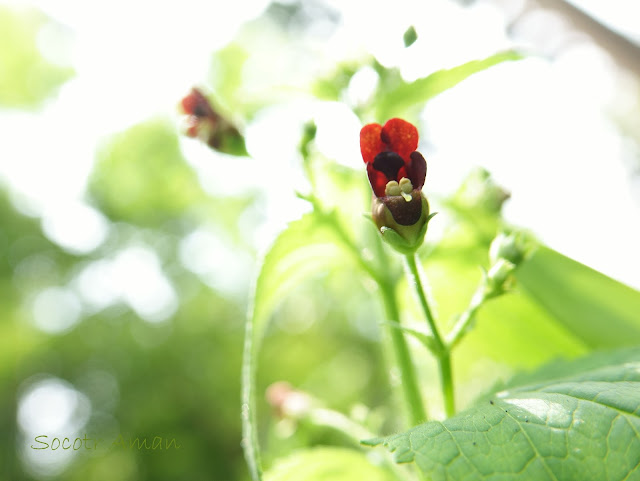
<point x="336" y="420"/>
<point x="442" y="351"/>
<point x="466" y="318"/>
<point x="249" y="424"/>
<point x="415" y="278"/>
<point x="356" y="432"/>
<point x="446" y="377"/>
<point x="410" y="387"/>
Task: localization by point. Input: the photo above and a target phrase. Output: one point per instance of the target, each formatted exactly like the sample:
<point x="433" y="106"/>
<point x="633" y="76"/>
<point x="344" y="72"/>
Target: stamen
<point x="405" y="185"/>
<point x="392" y="188"/>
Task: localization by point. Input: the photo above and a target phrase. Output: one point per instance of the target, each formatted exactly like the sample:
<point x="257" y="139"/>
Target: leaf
<point x="512" y="332"/>
<point x="26" y="77"/>
<point x="598" y="310"/>
<point x="141" y="176"/>
<point x="307" y="246"/>
<point x="586" y="426"/>
<point x="561" y="368"/>
<point x="226" y="76"/>
<point x="410" y="36"/>
<point x="396" y="100"/>
<point x="331" y="87"/>
<point x="327" y="464"/>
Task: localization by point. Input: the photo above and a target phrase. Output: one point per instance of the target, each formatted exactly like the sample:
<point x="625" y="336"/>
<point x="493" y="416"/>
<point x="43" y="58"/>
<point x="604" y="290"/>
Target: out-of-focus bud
<point x="287" y="402"/>
<point x="506" y="252"/>
<point x="480" y="192"/>
<point x="498" y="275"/>
<point x="511" y="247"/>
<point x="205" y="123"/>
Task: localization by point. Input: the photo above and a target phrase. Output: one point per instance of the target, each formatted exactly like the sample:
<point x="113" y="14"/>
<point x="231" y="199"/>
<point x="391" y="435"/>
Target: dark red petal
<point x="389" y="163"/>
<point x="417" y="170"/>
<point x="197" y="104"/>
<point x="400" y="136"/>
<point x="370" y="142"/>
<point x="377" y="180"/>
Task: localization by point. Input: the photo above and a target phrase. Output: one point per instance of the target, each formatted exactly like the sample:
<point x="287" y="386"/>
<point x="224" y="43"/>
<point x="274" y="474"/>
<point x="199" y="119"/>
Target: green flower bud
<point x="510" y="247"/>
<point x="403" y="223"/>
<point x="498" y="275"/>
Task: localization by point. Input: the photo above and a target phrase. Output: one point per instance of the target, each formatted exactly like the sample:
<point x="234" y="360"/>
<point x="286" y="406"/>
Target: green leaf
<point x="226" y="76"/>
<point x="598" y="310"/>
<point x="142" y="177"/>
<point x="307" y="246"/>
<point x="562" y="368"/>
<point x="394" y="101"/>
<point x="585" y="426"/>
<point x="26" y="77"/>
<point x="410" y="36"/>
<point x="331" y="87"/>
<point x="327" y="464"/>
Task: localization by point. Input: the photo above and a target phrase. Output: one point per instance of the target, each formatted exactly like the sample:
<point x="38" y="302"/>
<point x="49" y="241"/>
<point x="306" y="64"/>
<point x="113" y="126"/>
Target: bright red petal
<point x="377" y="180"/>
<point x="197" y="104"/>
<point x="370" y="142"/>
<point x="400" y="136"/>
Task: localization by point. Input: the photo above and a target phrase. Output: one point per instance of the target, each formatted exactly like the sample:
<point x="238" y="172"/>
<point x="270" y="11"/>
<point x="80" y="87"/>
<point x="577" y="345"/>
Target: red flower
<point x="201" y="116"/>
<point x="396" y="173"/>
<point x="205" y="123"/>
<point x="390" y="154"/>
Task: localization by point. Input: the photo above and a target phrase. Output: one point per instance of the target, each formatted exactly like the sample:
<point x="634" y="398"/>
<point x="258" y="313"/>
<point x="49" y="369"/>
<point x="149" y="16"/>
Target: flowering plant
<point x="513" y="433"/>
<point x="396" y="172"/>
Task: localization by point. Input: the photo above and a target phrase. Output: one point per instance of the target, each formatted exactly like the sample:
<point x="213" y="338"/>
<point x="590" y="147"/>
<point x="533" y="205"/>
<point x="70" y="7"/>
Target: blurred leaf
<point x="331" y="86"/>
<point x="141" y="176"/>
<point x="510" y="332"/>
<point x="580" y="427"/>
<point x="562" y="368"/>
<point x="479" y="202"/>
<point x="410" y="36"/>
<point x="327" y="464"/>
<point x="306" y="247"/>
<point x="26" y="77"/>
<point x="598" y="310"/>
<point x="226" y="76"/>
<point x="396" y="98"/>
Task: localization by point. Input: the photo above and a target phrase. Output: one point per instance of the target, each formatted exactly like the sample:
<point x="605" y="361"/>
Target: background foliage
<point x="139" y="333"/>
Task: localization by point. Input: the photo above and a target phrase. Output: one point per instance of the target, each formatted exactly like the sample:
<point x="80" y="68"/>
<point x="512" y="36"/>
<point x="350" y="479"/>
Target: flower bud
<point x="498" y="276"/>
<point x="479" y="192"/>
<point x="288" y="402"/>
<point x="204" y="122"/>
<point x="510" y="247"/>
<point x="403" y="223"/>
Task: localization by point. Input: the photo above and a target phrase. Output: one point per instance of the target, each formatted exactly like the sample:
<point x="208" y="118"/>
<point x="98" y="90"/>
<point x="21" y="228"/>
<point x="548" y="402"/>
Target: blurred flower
<point x="206" y="124"/>
<point x="396" y="173"/>
<point x="288" y="402"/>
